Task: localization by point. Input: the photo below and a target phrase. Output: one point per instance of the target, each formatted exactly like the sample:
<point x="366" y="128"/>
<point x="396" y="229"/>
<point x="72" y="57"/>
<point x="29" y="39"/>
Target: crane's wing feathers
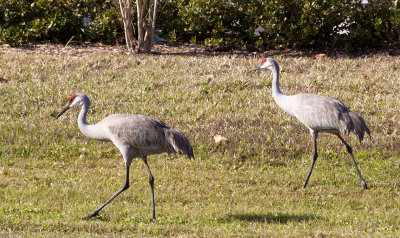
<point x="359" y="125"/>
<point x="145" y="135"/>
<point x="179" y="141"/>
<point x="327" y="114"/>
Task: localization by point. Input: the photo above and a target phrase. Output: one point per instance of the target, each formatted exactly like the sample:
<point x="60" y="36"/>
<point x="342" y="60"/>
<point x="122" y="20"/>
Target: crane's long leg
<point x="151" y="182"/>
<point x="126" y="186"/>
<point x="350" y="151"/>
<point x="314" y="135"/>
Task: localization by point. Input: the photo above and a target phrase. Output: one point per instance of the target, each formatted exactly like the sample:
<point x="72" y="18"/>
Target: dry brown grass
<point x="250" y="185"/>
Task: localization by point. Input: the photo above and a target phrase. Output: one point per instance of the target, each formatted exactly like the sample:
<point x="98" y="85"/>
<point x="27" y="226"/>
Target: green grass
<point x="51" y="175"/>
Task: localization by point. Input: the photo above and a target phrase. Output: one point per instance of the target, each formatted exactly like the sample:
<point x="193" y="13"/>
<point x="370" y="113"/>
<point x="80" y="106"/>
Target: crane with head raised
<point x="134" y="135"/>
<point x="318" y="114"/>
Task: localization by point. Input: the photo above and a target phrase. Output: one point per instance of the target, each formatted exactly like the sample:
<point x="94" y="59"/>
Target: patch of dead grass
<point x="248" y="186"/>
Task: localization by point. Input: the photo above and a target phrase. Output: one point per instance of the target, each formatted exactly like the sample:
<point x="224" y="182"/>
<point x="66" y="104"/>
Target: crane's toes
<point x="364" y="184"/>
<point x="90" y="216"/>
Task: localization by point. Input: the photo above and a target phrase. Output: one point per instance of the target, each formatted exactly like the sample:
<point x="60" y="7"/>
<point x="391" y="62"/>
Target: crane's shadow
<point x="281" y="218"/>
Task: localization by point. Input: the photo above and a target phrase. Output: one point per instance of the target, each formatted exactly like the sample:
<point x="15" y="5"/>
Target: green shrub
<point x="209" y="21"/>
<point x="303" y="23"/>
<point x="289" y="23"/>
<point x="375" y="24"/>
<point x="35" y="20"/>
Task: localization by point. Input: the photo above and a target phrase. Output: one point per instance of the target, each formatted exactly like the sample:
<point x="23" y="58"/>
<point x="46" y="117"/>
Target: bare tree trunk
<point x="146" y="23"/>
<point x="141" y="30"/>
<point x="146" y="26"/>
<point x="147" y="12"/>
<point x="151" y="24"/>
<point x="126" y="13"/>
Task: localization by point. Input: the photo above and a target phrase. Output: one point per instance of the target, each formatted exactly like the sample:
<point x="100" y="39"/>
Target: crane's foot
<point x="96" y="213"/>
<point x="364" y="184"/>
<point x="305" y="184"/>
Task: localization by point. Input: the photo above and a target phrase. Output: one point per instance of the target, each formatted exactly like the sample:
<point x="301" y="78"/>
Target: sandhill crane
<point x="318" y="113"/>
<point x="134" y="136"/>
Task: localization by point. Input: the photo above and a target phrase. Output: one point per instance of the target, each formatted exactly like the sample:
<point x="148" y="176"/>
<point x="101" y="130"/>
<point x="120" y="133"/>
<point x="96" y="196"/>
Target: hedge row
<point x="23" y="21"/>
<point x="241" y="23"/>
<point x="303" y="23"/>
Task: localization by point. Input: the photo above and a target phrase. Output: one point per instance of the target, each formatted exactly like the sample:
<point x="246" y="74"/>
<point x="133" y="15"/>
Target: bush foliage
<point x="22" y="21"/>
<point x="302" y="23"/>
<point x="240" y="23"/>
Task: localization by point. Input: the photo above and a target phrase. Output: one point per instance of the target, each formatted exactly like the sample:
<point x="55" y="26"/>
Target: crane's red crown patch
<point x="263" y="61"/>
<point x="71" y="99"/>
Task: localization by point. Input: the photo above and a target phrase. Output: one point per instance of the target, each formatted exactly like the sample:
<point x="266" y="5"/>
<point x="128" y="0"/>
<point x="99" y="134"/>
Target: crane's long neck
<point x="281" y="99"/>
<point x="91" y="131"/>
<point x="276" y="91"/>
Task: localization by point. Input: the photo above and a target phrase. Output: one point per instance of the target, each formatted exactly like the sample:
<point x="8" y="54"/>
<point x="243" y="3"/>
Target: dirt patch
<point x="164" y="48"/>
<point x="190" y="49"/>
<point x="98" y="48"/>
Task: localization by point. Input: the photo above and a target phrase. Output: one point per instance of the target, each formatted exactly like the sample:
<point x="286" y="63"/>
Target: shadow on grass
<point x="269" y="217"/>
<point x="97" y="218"/>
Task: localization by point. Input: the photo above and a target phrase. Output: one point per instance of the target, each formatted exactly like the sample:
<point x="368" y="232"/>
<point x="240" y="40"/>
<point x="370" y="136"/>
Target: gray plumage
<point x="141" y="135"/>
<point x="318" y="113"/>
<point x="134" y="135"/>
<point x="324" y="114"/>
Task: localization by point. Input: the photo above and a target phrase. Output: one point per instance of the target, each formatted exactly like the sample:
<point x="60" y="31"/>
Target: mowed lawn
<point x="248" y="186"/>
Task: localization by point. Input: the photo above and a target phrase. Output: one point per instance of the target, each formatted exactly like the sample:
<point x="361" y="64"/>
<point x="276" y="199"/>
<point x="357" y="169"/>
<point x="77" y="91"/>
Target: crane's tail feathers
<point x="359" y="126"/>
<point x="179" y="142"/>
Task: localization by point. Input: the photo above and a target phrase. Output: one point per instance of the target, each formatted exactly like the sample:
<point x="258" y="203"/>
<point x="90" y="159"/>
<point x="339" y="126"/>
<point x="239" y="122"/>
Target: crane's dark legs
<point x="314" y="159"/>
<point x="350" y="151"/>
<point x="126" y="186"/>
<point x="151" y="182"/>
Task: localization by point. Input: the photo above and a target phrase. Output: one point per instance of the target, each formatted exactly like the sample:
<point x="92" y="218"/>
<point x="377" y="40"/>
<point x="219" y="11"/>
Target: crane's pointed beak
<point x="256" y="68"/>
<point x="63" y="110"/>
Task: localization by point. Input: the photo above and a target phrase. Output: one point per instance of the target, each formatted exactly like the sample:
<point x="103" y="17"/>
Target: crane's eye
<point x="71" y="99"/>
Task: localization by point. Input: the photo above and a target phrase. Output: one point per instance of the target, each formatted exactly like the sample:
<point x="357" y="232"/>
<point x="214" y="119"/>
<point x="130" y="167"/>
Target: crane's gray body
<point x="324" y="114"/>
<point x="134" y="135"/>
<point x="318" y="113"/>
<point x="139" y="135"/>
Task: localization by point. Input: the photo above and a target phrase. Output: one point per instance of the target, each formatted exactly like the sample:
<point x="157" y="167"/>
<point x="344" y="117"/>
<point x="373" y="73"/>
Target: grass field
<point x="249" y="186"/>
